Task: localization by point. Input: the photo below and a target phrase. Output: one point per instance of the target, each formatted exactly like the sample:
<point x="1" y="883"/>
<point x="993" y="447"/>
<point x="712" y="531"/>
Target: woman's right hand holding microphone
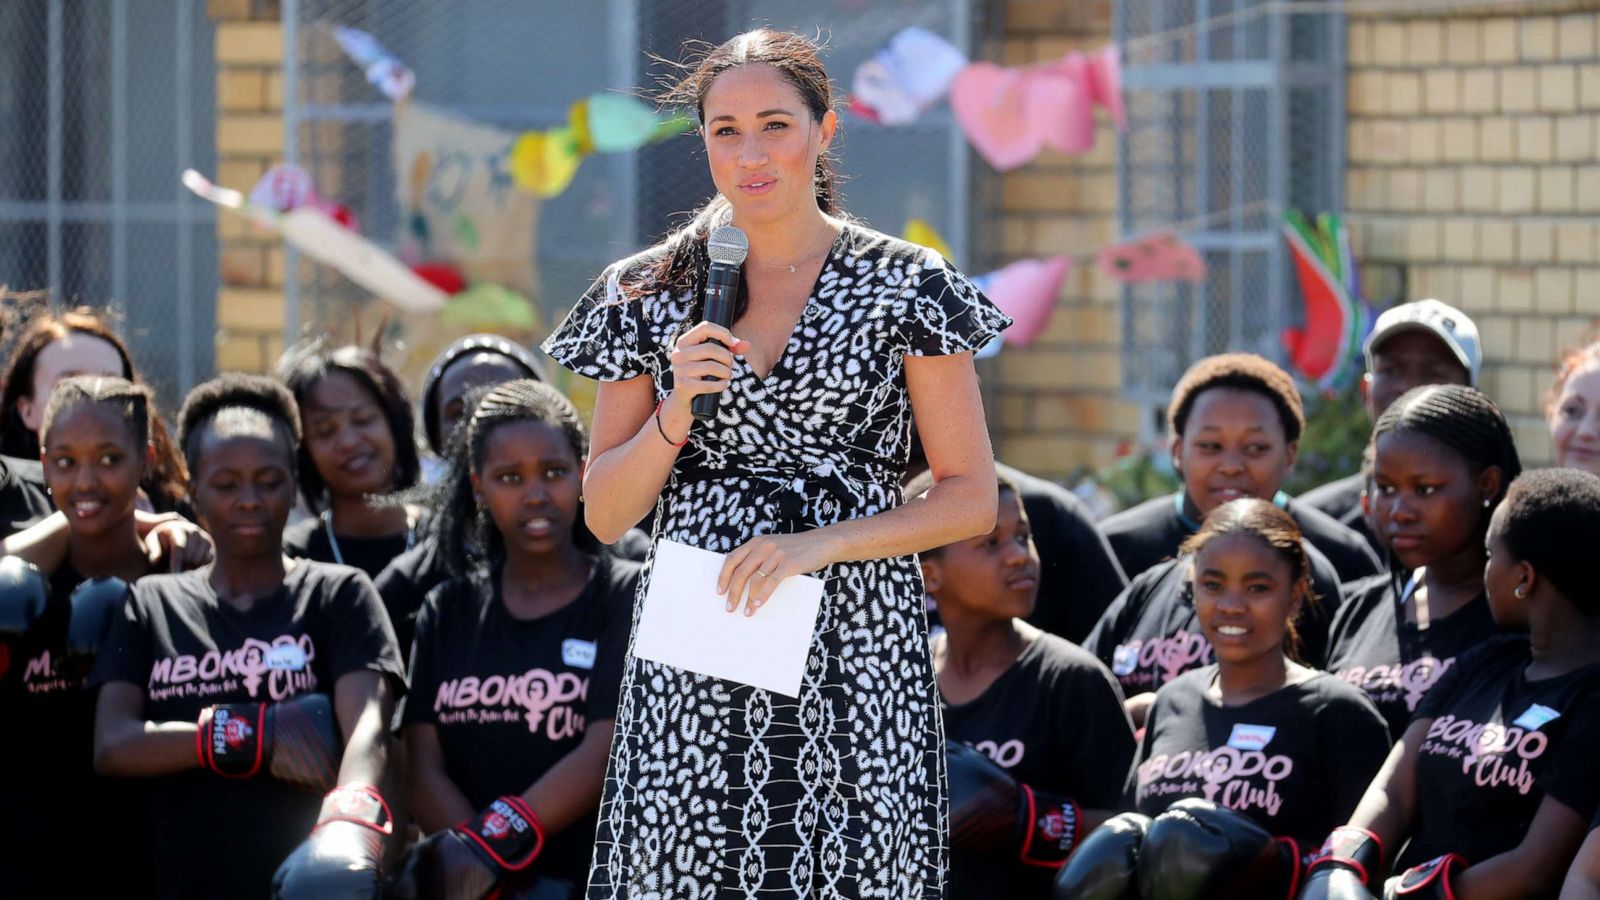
<point x="702" y="363"/>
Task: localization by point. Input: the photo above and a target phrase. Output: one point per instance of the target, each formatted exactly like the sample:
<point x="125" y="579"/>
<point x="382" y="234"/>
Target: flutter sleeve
<point x="603" y="336"/>
<point x="949" y="314"/>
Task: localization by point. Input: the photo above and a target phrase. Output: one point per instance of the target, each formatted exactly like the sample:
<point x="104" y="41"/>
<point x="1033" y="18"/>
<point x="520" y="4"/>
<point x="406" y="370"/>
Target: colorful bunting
<point x="1026" y="291"/>
<point x="1324" y="350"/>
<point x="918" y="231"/>
<point x="1161" y="256"/>
<point x="544" y="162"/>
<point x="384" y="72"/>
<point x="283" y="188"/>
<point x="489" y="307"/>
<point x="902" y="80"/>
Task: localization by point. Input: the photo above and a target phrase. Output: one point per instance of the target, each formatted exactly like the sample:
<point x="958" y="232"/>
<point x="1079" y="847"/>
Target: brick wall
<point x="1474" y="177"/>
<point x="1058" y="400"/>
<point x="249" y="49"/>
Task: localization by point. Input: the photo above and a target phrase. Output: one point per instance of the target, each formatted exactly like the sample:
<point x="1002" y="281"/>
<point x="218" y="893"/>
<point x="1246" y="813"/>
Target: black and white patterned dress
<point x="720" y="790"/>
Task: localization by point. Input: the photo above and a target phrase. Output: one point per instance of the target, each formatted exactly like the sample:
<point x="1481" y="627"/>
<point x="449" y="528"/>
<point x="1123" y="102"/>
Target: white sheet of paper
<point x="686" y="623"/>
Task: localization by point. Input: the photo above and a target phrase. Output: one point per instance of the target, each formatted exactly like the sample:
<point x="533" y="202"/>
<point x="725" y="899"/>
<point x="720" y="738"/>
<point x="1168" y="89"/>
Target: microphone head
<point x="728" y="245"/>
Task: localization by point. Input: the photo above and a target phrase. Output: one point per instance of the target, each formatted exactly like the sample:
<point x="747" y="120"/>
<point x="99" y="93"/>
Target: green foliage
<point x="1337" y="431"/>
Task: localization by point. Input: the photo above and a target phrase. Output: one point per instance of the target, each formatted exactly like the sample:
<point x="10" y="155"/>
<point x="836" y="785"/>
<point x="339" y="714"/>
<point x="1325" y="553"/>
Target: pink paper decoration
<point x="1026" y="291"/>
<point x="990" y="105"/>
<point x="1162" y="256"/>
<point x="1105" y="83"/>
<point x="1059" y="109"/>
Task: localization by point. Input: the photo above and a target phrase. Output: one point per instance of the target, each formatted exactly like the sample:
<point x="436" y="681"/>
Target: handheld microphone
<point x="728" y="247"/>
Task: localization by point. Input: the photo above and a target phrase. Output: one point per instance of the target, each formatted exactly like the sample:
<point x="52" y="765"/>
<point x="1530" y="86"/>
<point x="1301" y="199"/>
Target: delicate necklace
<point x="804" y="256"/>
<point x="333" y="539"/>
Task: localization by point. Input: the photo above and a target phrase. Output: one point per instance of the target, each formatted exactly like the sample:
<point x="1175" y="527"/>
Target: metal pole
<point x="54" y="146"/>
<point x="183" y="128"/>
<point x="290" y="19"/>
<point x="119" y="152"/>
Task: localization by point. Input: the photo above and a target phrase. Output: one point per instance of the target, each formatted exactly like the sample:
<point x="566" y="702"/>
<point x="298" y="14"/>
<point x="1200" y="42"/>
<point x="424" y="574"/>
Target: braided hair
<point x="1264" y="521"/>
<point x="471" y="545"/>
<point x="1464" y="420"/>
<point x="132" y="402"/>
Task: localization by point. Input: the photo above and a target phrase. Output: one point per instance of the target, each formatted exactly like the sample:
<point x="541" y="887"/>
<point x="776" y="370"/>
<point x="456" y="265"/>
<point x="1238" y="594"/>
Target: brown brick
<point x="1519" y="89"/>
<point x="1358" y="43"/>
<point x="1498" y="334"/>
<point x="239" y="90"/>
<point x="250" y="135"/>
<point x="1388" y="139"/>
<point x="1439" y="191"/>
<point x="1405" y="189"/>
<point x="1536" y="241"/>
<point x="1499" y="40"/>
<point x="1558" y="88"/>
<point x="1535" y="140"/>
<point x="1556" y="189"/>
<point x="1441" y="90"/>
<point x="272" y="91"/>
<point x="1497" y="240"/>
<point x="1535" y="340"/>
<point x="276" y="263"/>
<point x="1422" y="141"/>
<point x="1532" y="436"/>
<point x="240" y="174"/>
<point x="1458" y="140"/>
<point x="1589" y="86"/>
<point x="1552" y="290"/>
<point x="1014" y="411"/>
<point x="1424" y="42"/>
<point x="1575" y="36"/>
<point x="1477" y="189"/>
<point x="243" y="266"/>
<point x="1575" y="241"/>
<point x="1358" y="140"/>
<point x="227" y="10"/>
<point x="1404" y="92"/>
<point x="1573" y="141"/>
<point x="1364" y="93"/>
<point x="1475" y="291"/>
<point x="254" y="43"/>
<point x="1463" y="41"/>
<point x="1497" y="139"/>
<point x="250" y="309"/>
<point x="1460" y="239"/>
<point x="1515" y="290"/>
<point x="1422" y="238"/>
<point x="1586" y="291"/>
<point x="1571" y="332"/>
<point x="1016" y="236"/>
<point x="1478" y="91"/>
<point x="241" y="351"/>
<point x="1389" y="43"/>
<point x="1035" y="368"/>
<point x="1588" y="193"/>
<point x="1514" y="388"/>
<point x="1536" y="39"/>
<point x="1517" y="189"/>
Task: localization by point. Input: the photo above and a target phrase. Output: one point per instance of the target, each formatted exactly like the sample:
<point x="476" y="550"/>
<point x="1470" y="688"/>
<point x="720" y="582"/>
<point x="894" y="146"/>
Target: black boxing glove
<point x="296" y="741"/>
<point x="343" y="857"/>
<point x="95" y="604"/>
<point x="470" y="861"/>
<point x="24" y="595"/>
<point x="991" y="811"/>
<point x="1197" y="850"/>
<point x="1349" y="864"/>
<point x="1106" y="864"/>
<point x="1430" y="881"/>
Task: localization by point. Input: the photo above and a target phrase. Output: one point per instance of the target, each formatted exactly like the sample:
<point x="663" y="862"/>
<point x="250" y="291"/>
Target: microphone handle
<point x="722" y="292"/>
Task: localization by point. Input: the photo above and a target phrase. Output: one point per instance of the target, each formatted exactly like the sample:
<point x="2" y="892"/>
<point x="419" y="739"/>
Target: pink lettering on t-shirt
<point x="546" y="699"/>
<point x="1237" y="779"/>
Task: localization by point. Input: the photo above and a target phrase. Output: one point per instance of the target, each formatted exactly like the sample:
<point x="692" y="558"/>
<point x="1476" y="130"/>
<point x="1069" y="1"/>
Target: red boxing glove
<point x="295" y="741"/>
<point x="991" y="811"/>
<point x="1429" y="881"/>
<point x="1349" y="865"/>
<point x="343" y="857"/>
<point x="471" y="860"/>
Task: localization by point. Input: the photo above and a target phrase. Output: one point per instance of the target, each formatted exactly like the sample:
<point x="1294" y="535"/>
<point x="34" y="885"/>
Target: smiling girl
<point x="1573" y="410"/>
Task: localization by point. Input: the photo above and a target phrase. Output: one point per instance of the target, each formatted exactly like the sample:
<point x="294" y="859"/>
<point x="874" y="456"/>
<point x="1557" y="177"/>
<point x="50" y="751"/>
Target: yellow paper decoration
<point x="918" y="231"/>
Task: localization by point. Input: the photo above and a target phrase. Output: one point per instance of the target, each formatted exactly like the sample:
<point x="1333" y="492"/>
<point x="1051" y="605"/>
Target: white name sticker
<point x="578" y="653"/>
<point x="1251" y="737"/>
<point x="1537" y="716"/>
<point x="1124" y="659"/>
<point x="288" y="657"/>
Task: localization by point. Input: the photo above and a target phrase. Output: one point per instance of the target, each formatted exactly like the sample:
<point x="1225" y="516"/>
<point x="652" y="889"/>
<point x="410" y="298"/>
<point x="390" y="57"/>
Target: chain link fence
<point x="106" y="103"/>
<point x="1235" y="114"/>
<point x="519" y="65"/>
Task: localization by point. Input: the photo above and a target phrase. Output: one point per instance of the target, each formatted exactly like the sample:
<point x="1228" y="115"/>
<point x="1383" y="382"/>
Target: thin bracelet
<point x="663" y="431"/>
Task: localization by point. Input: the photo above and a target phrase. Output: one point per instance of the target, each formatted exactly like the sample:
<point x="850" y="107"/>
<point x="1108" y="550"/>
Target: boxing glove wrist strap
<point x="360" y="804"/>
<point x="1433" y="879"/>
<point x="229" y="741"/>
<point x="1052" y="829"/>
<point x="507" y="834"/>
<point x="1356" y="849"/>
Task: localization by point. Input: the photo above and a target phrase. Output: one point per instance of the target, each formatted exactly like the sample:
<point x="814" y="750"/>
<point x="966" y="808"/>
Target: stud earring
<point x="1521" y="593"/>
<point x="1488" y="502"/>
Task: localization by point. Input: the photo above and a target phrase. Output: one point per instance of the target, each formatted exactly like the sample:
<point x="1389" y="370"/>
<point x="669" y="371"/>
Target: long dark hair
<point x="470" y="543"/>
<point x="166" y="482"/>
<point x="304" y="365"/>
<point x="681" y="260"/>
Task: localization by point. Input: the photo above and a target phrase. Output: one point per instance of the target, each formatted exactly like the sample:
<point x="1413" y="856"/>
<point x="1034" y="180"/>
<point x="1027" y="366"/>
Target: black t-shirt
<point x="1151" y="635"/>
<point x="1497" y="745"/>
<point x="1371" y="646"/>
<point x="23" y="498"/>
<point x="50" y="778"/>
<point x="308" y="539"/>
<point x="1054" y="720"/>
<point x="1078" y="574"/>
<point x="1295" y="761"/>
<point x="1341" y="501"/>
<point x="1152" y="532"/>
<point x="511" y="697"/>
<point x="212" y="836"/>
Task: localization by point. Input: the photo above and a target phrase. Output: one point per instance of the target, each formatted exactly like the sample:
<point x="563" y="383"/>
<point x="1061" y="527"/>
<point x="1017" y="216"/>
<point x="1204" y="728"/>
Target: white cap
<point x="1443" y="321"/>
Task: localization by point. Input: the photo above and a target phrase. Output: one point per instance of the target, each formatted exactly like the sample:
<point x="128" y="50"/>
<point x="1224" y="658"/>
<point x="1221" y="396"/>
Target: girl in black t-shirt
<point x="1289" y="747"/>
<point x="517" y="661"/>
<point x="1043" y="711"/>
<point x="359" y="448"/>
<point x="1492" y="787"/>
<point x="251" y="669"/>
<point x="1443" y="456"/>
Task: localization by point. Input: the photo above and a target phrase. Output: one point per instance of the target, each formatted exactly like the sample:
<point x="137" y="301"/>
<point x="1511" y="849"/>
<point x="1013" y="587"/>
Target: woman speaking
<point x="717" y="789"/>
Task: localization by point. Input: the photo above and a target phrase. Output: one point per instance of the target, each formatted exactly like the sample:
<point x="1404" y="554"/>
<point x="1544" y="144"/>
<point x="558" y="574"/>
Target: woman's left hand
<point x="757" y="566"/>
